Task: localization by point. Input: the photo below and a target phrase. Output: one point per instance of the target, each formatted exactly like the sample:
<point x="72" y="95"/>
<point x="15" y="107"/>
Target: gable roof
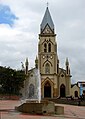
<point x="72" y="85"/>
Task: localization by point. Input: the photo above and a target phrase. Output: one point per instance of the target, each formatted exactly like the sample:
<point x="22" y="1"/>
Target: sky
<point x="20" y="25"/>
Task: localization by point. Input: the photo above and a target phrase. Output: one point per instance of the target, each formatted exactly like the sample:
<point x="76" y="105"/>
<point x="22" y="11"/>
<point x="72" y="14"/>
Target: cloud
<point x="21" y="40"/>
<point x="15" y="46"/>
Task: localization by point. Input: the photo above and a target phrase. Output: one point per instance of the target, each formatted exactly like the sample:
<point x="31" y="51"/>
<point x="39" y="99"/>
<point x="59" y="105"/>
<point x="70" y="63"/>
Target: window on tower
<point x="49" y="47"/>
<point x="67" y="69"/>
<point x="45" y="47"/>
<point x="47" y="68"/>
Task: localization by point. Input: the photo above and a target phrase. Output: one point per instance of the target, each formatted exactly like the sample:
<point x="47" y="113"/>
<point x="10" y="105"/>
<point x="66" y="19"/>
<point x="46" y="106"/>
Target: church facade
<point x="55" y="81"/>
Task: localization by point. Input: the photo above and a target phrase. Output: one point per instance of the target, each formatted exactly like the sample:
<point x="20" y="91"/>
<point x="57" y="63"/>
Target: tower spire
<point x="36" y="62"/>
<point x="26" y="66"/>
<point x="47" y="20"/>
<point x="67" y="66"/>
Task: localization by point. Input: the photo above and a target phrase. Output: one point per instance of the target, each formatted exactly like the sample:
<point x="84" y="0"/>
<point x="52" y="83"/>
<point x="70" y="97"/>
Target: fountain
<point x="33" y="92"/>
<point x="33" y="104"/>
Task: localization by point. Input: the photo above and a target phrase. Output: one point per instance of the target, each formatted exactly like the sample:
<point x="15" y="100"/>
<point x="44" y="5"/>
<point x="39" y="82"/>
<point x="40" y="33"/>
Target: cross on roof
<point x="47" y="4"/>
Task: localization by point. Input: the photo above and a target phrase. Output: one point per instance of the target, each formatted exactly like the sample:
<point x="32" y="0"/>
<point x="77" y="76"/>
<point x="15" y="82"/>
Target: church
<point x="55" y="81"/>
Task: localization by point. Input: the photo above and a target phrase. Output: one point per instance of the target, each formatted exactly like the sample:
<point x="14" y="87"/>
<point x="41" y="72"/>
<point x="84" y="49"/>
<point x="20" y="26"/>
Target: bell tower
<point x="47" y="56"/>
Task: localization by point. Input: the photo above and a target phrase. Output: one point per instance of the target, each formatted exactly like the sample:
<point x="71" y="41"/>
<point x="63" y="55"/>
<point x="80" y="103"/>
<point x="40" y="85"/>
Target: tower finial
<point x="47" y="4"/>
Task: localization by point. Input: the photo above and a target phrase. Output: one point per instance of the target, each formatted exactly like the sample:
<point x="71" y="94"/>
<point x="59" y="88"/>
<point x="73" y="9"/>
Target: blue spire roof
<point x="47" y="20"/>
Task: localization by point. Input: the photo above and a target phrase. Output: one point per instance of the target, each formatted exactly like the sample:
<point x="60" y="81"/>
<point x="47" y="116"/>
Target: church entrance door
<point x="47" y="90"/>
<point x="62" y="90"/>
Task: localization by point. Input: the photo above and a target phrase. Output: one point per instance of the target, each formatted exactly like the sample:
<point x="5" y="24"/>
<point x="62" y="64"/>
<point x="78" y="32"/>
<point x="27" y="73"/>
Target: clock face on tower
<point x="47" y="56"/>
<point x="43" y="57"/>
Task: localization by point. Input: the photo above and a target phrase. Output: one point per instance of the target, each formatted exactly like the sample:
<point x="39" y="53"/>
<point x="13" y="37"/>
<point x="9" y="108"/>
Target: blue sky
<point x="6" y="15"/>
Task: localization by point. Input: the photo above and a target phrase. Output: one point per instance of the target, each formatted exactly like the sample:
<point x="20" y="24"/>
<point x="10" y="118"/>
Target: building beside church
<point x="55" y="81"/>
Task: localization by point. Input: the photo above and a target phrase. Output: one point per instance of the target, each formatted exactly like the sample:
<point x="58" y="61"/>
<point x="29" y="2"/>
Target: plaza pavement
<point x="70" y="112"/>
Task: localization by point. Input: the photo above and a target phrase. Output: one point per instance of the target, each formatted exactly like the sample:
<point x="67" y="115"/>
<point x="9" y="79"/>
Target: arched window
<point x="57" y="68"/>
<point x="47" y="68"/>
<point x="67" y="69"/>
<point x="76" y="93"/>
<point x="45" y="47"/>
<point x="31" y="90"/>
<point x="49" y="47"/>
<point x="62" y="90"/>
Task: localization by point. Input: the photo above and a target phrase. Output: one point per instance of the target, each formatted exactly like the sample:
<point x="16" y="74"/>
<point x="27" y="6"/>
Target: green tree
<point x="11" y="81"/>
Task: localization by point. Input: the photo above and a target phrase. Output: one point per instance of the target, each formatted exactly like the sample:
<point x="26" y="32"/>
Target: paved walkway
<point x="70" y="112"/>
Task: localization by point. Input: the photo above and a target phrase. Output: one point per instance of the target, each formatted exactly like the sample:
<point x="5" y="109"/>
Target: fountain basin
<point x="44" y="108"/>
